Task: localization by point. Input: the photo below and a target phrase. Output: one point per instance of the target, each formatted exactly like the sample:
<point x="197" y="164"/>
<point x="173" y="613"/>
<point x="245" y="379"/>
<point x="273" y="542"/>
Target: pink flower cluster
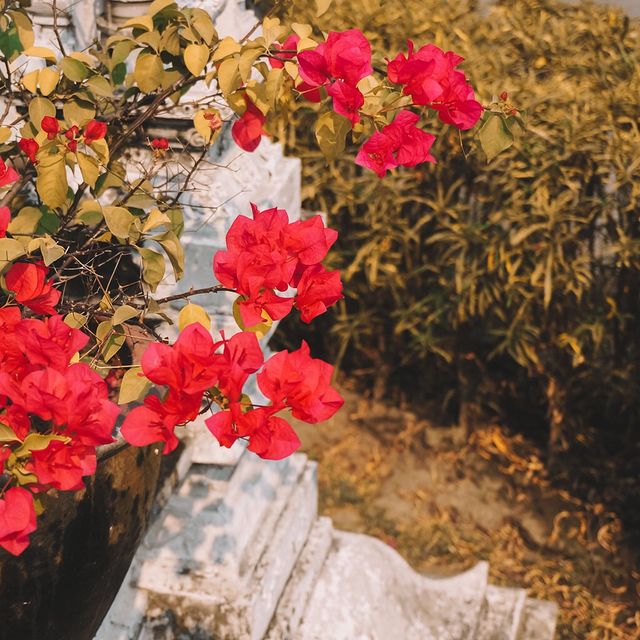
<point x="196" y="364"/>
<point x="338" y="64"/>
<point x="430" y="77"/>
<point x="267" y="253"/>
<point x="44" y="394"/>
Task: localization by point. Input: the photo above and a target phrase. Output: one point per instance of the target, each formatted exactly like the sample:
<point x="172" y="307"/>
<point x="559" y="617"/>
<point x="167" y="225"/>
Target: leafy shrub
<point x="521" y="274"/>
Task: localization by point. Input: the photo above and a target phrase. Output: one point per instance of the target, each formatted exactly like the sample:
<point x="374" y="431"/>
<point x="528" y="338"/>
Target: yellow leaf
<point x="124" y="313"/>
<point x="247" y="58"/>
<point x="10" y="250"/>
<point x="155" y="219"/>
<point x="48" y="80"/>
<point x="331" y="133"/>
<point x="133" y="385"/>
<point x="196" y="57"/>
<point x="203" y="120"/>
<point x="202" y="23"/>
<point x="26" y="222"/>
<point x="89" y="168"/>
<point x="39" y="108"/>
<point x="227" y="47"/>
<point x="259" y="329"/>
<point x="78" y="112"/>
<point x="23" y="27"/>
<point x="118" y="220"/>
<point x="41" y="52"/>
<point x="322" y="6"/>
<point x="30" y="81"/>
<point x="48" y="247"/>
<point x="148" y="72"/>
<point x="5" y="134"/>
<point x="229" y="76"/>
<point x="102" y="150"/>
<point x="51" y="182"/>
<point x="159" y="5"/>
<point x="191" y="313"/>
<point x="75" y="320"/>
<point x="141" y="22"/>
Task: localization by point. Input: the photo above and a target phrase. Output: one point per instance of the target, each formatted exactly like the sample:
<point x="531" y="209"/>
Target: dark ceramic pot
<point x="61" y="587"/>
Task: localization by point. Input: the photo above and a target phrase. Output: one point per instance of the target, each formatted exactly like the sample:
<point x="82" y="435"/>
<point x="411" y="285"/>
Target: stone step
<point x="366" y="591"/>
<point x="306" y="571"/>
<point x="539" y="620"/>
<point x="502" y="614"/>
<point x="225" y="546"/>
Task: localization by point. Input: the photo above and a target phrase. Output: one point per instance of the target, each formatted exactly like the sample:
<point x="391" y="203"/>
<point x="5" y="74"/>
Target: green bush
<point x="469" y="278"/>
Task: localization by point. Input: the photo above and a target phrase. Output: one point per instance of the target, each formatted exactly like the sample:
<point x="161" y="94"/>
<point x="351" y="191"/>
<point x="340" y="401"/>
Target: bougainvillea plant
<point x="85" y="241"/>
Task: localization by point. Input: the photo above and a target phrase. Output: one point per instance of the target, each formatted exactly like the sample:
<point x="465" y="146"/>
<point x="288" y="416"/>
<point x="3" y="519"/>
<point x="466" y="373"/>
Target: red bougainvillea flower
<point x="302" y="383"/>
<point x="156" y="420"/>
<point x="63" y="465"/>
<point x="17" y="520"/>
<point x="268" y="254"/>
<point x="400" y="143"/>
<point x="248" y="130"/>
<point x="345" y="55"/>
<point x="50" y="342"/>
<point x="270" y="437"/>
<point x="50" y="126"/>
<point x="185" y="367"/>
<point x="94" y="130"/>
<point x="347" y="100"/>
<point x="5" y="219"/>
<point x="160" y="143"/>
<point x="431" y="79"/>
<point x="290" y="44"/>
<point x="241" y="357"/>
<point x="318" y="289"/>
<point x="27" y="281"/>
<point x="30" y="148"/>
<point x="457" y="104"/>
<point x="7" y="174"/>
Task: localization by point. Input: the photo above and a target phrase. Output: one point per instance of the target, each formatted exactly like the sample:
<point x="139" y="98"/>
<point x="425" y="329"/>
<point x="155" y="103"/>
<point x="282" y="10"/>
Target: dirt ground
<point x="445" y="501"/>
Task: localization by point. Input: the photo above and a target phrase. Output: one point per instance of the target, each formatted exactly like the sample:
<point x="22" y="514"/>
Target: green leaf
<point x="36" y="442"/>
<point x="331" y="133"/>
<point x="100" y="86"/>
<point x="172" y="247"/>
<point x="153" y="267"/>
<point x="133" y="386"/>
<point x="73" y="69"/>
<point x="494" y="136"/>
